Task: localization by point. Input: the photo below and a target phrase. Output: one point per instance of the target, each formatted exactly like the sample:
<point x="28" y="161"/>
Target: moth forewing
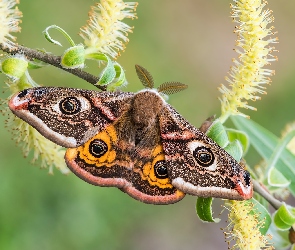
<point x="197" y="165"/>
<point x="67" y="116"/>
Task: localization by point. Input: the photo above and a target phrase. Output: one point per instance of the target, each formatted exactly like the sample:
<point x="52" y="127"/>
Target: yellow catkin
<point x="48" y="154"/>
<point x="248" y="77"/>
<point x="243" y="227"/>
<point x="105" y="32"/>
<point x="9" y="21"/>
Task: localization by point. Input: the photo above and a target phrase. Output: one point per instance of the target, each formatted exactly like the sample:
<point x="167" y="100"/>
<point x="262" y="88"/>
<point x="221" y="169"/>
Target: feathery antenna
<point x="144" y="76"/>
<point x="170" y="88"/>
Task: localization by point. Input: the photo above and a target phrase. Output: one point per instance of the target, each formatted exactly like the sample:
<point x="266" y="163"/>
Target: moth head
<point x="206" y="170"/>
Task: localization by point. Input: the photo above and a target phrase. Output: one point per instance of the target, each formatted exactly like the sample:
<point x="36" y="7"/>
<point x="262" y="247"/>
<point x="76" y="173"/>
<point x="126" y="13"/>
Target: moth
<point x="133" y="141"/>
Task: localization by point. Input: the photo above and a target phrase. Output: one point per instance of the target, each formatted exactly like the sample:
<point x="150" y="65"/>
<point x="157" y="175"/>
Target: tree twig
<point x="266" y="195"/>
<point x="52" y="60"/>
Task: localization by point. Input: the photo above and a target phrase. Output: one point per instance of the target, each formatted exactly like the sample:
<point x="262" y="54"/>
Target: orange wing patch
<point x="150" y="173"/>
<point x="98" y="150"/>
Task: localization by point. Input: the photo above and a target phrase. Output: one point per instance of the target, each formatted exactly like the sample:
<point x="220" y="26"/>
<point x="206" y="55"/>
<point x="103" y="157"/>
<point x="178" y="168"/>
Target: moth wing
<point x="123" y="164"/>
<point x="99" y="161"/>
<point x="197" y="165"/>
<point x="150" y="181"/>
<point x="69" y="117"/>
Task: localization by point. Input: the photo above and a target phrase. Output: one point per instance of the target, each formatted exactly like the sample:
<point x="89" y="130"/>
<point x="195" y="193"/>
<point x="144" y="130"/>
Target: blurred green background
<point x="190" y="41"/>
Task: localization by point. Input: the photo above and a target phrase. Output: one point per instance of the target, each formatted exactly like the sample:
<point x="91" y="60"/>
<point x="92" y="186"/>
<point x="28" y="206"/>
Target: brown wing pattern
<point x="135" y="142"/>
<point x="69" y="117"/>
<point x="119" y="162"/>
<point x="197" y="165"/>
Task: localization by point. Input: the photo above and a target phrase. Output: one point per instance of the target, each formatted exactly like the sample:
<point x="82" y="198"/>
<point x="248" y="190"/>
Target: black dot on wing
<point x="161" y="170"/>
<point x="98" y="148"/>
<point x="70" y="106"/>
<point x="203" y="156"/>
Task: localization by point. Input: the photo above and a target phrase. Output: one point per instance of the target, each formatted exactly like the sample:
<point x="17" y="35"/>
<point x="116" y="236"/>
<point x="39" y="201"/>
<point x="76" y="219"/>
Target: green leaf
<point x="235" y="150"/>
<point x="14" y="67"/>
<point x="108" y="74"/>
<point x="279" y="223"/>
<point x="65" y="34"/>
<point x="263" y="215"/>
<point x="73" y="57"/>
<point x="36" y="64"/>
<point x="113" y="74"/>
<point x="265" y="143"/>
<point x="234" y="134"/>
<point x="218" y="133"/>
<point x="276" y="179"/>
<point x="280" y="238"/>
<point x="120" y="79"/>
<point x="96" y="56"/>
<point x="285" y="214"/>
<point x="204" y="210"/>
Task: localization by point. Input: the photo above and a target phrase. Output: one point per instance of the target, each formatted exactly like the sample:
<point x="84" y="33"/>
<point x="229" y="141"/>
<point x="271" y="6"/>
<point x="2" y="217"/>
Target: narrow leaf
<point x="234" y="134"/>
<point x="170" y="88"/>
<point x="265" y="143"/>
<point x="276" y="179"/>
<point x="144" y="76"/>
<point x="263" y="216"/>
<point x="280" y="147"/>
<point x="217" y="133"/>
<point x="204" y="210"/>
<point x="280" y="238"/>
<point x="97" y="56"/>
<point x="235" y="150"/>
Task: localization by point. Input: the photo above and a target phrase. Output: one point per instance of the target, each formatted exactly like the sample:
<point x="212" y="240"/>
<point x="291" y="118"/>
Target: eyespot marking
<point x="203" y="156"/>
<point x="161" y="170"/>
<point x="98" y="148"/>
<point x="70" y="106"/>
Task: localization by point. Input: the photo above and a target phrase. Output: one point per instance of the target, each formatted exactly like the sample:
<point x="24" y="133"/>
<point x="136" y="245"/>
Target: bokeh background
<point x="190" y="41"/>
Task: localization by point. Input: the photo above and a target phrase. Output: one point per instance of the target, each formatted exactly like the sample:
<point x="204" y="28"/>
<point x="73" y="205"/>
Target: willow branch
<point x="52" y="60"/>
<point x="266" y="195"/>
